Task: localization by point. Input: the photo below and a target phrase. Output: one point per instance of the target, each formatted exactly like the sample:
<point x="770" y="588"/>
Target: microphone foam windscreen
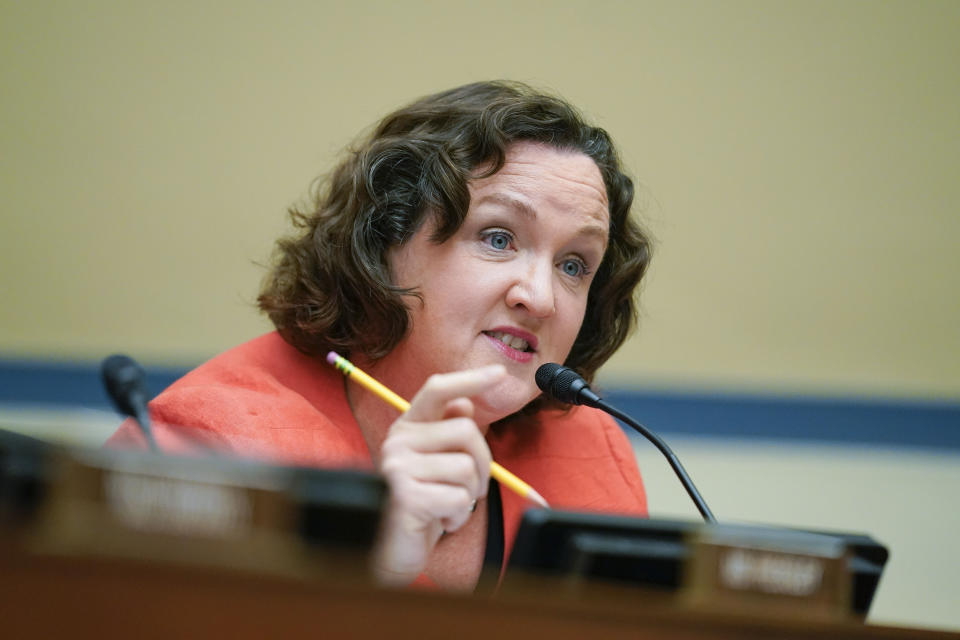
<point x="560" y="383"/>
<point x="545" y="375"/>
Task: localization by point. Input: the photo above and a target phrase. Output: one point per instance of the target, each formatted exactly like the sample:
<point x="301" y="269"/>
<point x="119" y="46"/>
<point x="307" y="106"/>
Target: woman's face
<point x="510" y="286"/>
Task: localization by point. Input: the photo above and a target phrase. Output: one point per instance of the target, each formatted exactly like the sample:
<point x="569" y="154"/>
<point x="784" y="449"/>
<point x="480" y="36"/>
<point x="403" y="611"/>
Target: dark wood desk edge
<point x="109" y="597"/>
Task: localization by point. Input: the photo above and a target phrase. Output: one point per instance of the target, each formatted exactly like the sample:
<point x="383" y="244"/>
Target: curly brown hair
<point x="329" y="287"/>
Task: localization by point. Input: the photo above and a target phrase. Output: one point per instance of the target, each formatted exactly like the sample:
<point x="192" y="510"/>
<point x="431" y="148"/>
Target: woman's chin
<point x="501" y="402"/>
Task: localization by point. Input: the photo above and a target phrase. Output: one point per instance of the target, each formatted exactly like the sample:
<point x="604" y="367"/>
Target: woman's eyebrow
<point x="527" y="211"/>
<point x="509" y="201"/>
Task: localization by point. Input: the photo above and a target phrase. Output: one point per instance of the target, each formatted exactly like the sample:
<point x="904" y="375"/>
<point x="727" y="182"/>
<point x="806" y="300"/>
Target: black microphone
<point x="566" y="385"/>
<point x="126" y="384"/>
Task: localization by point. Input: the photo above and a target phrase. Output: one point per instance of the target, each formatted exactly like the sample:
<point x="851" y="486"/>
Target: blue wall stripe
<point x="881" y="421"/>
<point x="52" y="383"/>
<point x="884" y="422"/>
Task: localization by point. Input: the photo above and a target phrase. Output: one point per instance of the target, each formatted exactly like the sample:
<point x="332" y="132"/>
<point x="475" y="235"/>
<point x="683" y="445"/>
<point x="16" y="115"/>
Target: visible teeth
<point x="511" y="341"/>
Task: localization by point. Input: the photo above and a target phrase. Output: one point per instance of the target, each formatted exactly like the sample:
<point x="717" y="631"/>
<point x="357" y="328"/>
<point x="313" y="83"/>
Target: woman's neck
<point x="373" y="416"/>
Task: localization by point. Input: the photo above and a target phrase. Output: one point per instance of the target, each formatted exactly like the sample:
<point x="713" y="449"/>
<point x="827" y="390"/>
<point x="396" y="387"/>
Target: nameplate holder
<point x="205" y="512"/>
<point x="768" y="573"/>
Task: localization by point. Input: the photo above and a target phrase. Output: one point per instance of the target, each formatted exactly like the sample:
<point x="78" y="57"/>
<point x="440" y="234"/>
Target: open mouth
<point x="511" y="341"/>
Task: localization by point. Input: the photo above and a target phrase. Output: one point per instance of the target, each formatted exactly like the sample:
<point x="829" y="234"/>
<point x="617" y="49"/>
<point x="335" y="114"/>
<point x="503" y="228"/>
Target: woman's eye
<point x="499" y="240"/>
<point x="574" y="268"/>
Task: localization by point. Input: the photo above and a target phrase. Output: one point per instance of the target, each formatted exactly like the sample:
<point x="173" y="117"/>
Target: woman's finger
<point x="455" y="434"/>
<point x="446" y="468"/>
<point x="458" y="408"/>
<point x="431" y="438"/>
<point x="429" y="502"/>
<point x="439" y="389"/>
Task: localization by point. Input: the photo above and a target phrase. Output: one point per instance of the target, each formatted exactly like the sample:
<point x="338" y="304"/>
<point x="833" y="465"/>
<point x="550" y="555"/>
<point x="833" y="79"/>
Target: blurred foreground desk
<point x="99" y="598"/>
<point x="99" y="544"/>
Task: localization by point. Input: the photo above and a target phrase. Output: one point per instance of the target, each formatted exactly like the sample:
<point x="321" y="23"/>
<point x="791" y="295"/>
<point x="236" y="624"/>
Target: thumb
<point x="458" y="408"/>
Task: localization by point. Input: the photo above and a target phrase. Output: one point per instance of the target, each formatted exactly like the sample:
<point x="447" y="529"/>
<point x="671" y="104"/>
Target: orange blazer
<point x="266" y="400"/>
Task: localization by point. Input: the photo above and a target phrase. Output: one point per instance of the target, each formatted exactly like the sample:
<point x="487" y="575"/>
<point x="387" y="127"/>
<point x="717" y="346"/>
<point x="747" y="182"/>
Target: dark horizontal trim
<point x="839" y="420"/>
<point x="856" y="421"/>
<point x="67" y="384"/>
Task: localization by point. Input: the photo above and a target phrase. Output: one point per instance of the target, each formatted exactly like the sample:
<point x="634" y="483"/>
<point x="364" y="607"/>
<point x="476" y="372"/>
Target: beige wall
<point x="799" y="158"/>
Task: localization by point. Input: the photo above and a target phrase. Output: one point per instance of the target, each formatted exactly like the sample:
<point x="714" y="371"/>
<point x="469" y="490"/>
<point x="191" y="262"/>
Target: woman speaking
<point x="473" y="236"/>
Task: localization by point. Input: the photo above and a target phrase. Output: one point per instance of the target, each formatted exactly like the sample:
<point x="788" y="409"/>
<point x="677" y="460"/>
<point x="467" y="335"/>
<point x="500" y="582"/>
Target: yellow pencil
<point x="503" y="476"/>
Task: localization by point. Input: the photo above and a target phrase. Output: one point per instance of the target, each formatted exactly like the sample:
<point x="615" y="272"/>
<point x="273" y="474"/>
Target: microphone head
<point x="125" y="382"/>
<point x="564" y="384"/>
<point x="544" y="376"/>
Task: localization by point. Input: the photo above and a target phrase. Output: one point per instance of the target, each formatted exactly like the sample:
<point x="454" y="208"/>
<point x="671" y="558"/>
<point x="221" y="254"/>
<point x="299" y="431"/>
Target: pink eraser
<point x="332" y="357"/>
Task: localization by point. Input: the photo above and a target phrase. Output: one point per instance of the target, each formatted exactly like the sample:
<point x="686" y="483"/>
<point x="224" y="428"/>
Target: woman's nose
<point x="533" y="289"/>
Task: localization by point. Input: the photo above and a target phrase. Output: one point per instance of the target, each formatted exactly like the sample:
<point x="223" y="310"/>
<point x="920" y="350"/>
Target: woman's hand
<point x="437" y="463"/>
